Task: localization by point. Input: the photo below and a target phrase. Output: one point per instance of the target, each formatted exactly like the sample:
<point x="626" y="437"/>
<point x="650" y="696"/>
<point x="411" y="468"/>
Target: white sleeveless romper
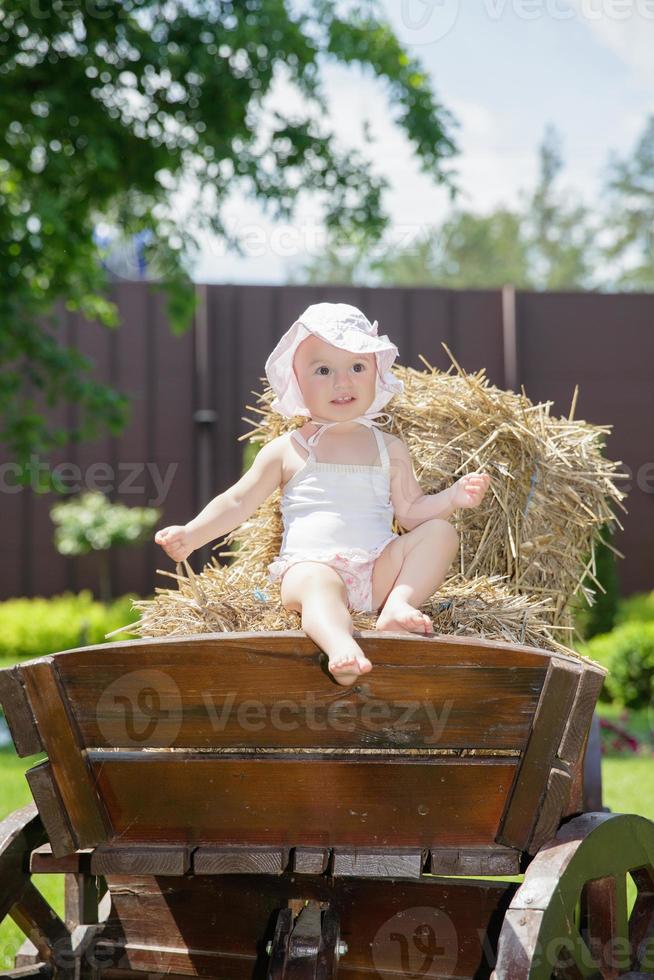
<point x="339" y="514"/>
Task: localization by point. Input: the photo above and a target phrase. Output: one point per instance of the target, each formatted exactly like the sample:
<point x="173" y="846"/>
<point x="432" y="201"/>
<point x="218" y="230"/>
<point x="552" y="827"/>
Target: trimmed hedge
<point x="628" y="654"/>
<point x="35" y="627"/>
<point x="636" y="607"/>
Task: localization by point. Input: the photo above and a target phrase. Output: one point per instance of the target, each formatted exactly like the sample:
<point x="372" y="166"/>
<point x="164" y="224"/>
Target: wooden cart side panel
<point x="18" y="713"/>
<point x="581" y="752"/>
<point x="228" y="703"/>
<point x="315" y="802"/>
<point x="51" y="809"/>
<point x="170" y="927"/>
<point x="529" y="791"/>
<point x="70" y="772"/>
<point x="581" y="714"/>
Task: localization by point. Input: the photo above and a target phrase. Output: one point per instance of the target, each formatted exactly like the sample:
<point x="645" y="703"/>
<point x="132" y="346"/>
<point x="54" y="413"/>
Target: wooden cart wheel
<point x="308" y="949"/>
<point x="20" y="833"/>
<point x="568" y="920"/>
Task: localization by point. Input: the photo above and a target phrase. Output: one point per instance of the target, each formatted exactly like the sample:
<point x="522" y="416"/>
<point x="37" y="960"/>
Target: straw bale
<point x="525" y="552"/>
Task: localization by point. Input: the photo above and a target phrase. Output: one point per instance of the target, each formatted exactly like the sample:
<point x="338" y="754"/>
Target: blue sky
<point x="504" y="70"/>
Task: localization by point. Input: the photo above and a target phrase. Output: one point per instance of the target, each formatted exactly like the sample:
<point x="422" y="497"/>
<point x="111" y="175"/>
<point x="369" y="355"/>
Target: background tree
<point x="629" y="218"/>
<point x="109" y="107"/>
<point x="545" y="242"/>
<point x="560" y="236"/>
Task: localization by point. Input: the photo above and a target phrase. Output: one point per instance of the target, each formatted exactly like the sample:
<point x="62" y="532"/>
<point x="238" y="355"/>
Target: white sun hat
<point x="343" y="326"/>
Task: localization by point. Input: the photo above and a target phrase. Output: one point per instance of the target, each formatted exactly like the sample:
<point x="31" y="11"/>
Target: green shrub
<point x="636" y="607"/>
<point x="89" y="522"/>
<point x="628" y="654"/>
<point x="35" y="627"/>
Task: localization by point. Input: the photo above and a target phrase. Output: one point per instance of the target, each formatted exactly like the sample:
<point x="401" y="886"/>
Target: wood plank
<point x="80" y="900"/>
<point x="581" y="713"/>
<point x="225" y="702"/>
<point x="18" y="714"/>
<point x="69" y="770"/>
<point x="27" y="955"/>
<point x="52" y="811"/>
<point x="575" y="802"/>
<point x="237" y="649"/>
<point x="310" y="860"/>
<point x="365" y="863"/>
<point x="523" y="809"/>
<point x="159" y="923"/>
<point x="592" y="778"/>
<point x="556" y="797"/>
<point x="474" y="861"/>
<point x="239" y="860"/>
<point x="350" y="800"/>
<point x="119" y="859"/>
<point x="43" y="862"/>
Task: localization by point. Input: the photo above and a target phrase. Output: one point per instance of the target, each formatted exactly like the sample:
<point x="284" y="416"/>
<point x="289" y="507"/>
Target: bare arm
<point x="228" y="509"/>
<point x="413" y="507"/>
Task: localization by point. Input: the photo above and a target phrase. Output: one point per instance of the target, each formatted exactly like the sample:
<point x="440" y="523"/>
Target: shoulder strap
<point x="383" y="451"/>
<point x="296" y="434"/>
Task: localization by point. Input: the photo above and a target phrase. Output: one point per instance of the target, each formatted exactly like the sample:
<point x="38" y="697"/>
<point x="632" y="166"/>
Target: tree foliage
<point x="109" y="107"/>
<point x="630" y="213"/>
<point x="545" y="242"/>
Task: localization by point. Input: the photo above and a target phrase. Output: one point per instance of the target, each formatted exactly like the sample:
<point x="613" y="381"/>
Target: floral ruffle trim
<point x="357" y="555"/>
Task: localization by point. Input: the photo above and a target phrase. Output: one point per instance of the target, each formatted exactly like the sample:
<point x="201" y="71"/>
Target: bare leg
<point x="428" y="553"/>
<point x="319" y="593"/>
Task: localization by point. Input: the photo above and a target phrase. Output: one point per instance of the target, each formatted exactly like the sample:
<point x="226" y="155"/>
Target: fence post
<point x="509" y="338"/>
<point x="203" y="416"/>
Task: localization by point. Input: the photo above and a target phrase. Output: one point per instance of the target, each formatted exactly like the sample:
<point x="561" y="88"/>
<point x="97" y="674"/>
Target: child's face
<point x="325" y="372"/>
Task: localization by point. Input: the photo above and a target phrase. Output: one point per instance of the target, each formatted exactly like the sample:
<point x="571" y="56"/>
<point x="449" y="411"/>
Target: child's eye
<point x="358" y="364"/>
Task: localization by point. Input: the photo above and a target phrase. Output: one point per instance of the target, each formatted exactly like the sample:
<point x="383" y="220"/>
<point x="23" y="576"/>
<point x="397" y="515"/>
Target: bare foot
<point x="346" y="668"/>
<point x="404" y="618"/>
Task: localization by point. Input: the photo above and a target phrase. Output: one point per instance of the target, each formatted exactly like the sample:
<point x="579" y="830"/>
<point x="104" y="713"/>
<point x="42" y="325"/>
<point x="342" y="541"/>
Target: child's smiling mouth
<point x="343" y="400"/>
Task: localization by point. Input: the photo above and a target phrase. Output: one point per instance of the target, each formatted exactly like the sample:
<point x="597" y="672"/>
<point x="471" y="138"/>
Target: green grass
<point x="15" y="793"/>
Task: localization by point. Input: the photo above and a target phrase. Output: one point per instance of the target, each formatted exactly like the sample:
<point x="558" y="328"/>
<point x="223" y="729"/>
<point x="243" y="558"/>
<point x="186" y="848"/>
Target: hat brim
<point x="281" y="376"/>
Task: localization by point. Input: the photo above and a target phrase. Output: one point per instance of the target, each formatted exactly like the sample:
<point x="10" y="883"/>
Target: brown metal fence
<point x="188" y="395"/>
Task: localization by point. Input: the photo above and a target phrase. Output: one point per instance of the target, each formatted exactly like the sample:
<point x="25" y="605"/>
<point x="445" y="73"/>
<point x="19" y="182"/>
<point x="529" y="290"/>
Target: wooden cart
<point x="219" y="807"/>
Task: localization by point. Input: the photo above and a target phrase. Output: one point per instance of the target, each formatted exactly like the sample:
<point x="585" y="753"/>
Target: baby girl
<point x="338" y="552"/>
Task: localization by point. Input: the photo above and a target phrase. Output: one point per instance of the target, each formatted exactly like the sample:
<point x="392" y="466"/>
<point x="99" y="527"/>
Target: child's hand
<point x="175" y="541"/>
<point x="470" y="489"/>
